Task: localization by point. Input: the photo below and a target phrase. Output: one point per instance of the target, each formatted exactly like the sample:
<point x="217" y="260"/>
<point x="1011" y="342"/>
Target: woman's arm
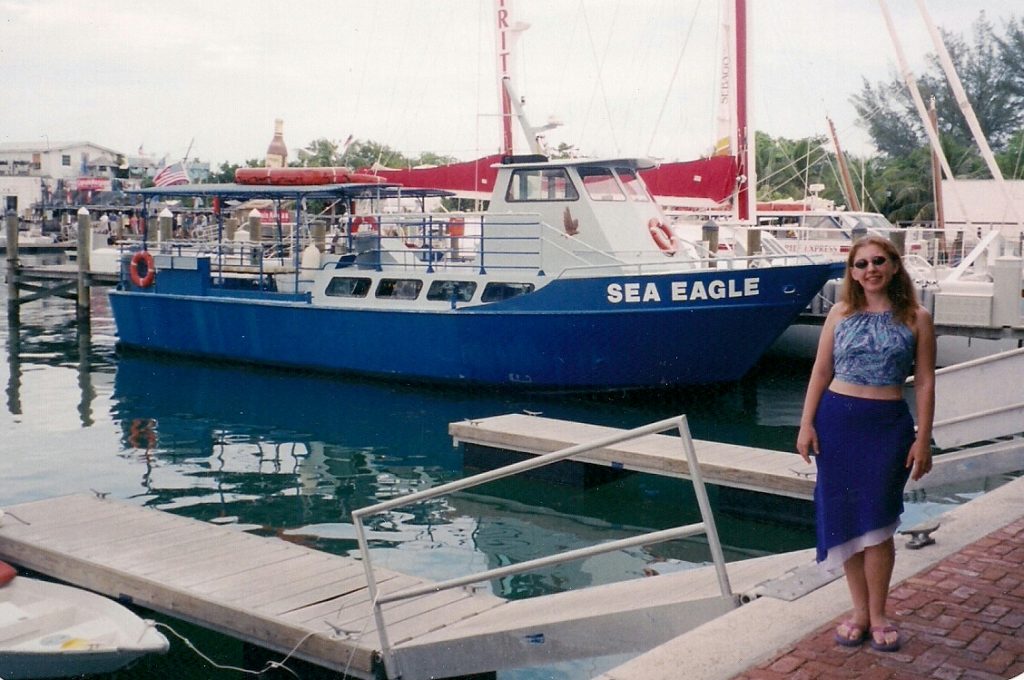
<point x="919" y="459"/>
<point x="821" y="376"/>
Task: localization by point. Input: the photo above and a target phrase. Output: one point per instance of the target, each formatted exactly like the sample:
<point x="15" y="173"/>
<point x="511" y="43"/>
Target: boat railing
<point x="483" y="242"/>
<point x="522" y="242"/>
<point x="722" y="263"/>
<point x="706" y="526"/>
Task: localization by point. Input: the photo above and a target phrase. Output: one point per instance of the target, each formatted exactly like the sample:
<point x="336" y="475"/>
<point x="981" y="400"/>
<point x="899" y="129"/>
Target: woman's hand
<point x="919" y="460"/>
<point x="807" y="442"/>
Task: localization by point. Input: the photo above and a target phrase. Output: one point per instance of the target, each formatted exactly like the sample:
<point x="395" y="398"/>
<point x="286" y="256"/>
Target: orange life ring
<point x="368" y="220"/>
<point x="142" y="432"/>
<point x="7" y="573"/>
<point x="133" y="269"/>
<point x="662" y="236"/>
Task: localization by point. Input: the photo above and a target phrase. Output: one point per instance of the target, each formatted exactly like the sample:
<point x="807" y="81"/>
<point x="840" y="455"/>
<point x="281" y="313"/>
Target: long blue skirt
<point x="858" y="499"/>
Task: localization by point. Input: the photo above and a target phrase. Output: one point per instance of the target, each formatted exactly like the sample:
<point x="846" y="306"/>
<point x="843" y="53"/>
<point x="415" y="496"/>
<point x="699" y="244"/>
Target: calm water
<point x="289" y="454"/>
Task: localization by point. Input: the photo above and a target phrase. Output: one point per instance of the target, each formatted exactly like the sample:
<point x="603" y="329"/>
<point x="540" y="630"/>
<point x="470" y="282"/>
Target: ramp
<point x="979" y="400"/>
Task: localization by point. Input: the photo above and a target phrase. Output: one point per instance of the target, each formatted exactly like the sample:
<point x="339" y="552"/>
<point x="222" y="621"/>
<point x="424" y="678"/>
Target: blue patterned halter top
<point x="872" y="348"/>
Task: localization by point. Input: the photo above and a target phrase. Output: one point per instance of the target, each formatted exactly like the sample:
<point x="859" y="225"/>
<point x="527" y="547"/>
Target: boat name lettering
<point x="684" y="291"/>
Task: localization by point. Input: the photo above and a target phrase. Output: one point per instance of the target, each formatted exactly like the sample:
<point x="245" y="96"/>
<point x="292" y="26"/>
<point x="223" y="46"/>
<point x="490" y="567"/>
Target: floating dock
<point x="764" y="471"/>
<point x="265" y="591"/>
<point x="285" y="597"/>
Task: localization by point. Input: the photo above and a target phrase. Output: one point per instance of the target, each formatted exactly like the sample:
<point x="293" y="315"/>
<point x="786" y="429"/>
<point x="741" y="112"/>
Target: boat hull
<point x="50" y="630"/>
<point x="602" y="333"/>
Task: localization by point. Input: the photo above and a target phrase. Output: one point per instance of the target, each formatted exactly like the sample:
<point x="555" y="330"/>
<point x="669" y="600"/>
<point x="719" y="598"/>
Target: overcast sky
<point x="634" y="77"/>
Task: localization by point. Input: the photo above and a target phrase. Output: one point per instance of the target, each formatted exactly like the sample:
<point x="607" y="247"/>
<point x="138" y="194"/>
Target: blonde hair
<point x="900" y="290"/>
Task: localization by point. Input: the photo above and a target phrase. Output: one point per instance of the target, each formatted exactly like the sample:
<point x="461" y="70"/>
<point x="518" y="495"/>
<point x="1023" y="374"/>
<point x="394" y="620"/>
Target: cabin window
<point x="495" y="292"/>
<point x="601" y="185"/>
<point x="633" y="185"/>
<point x="541" y="184"/>
<point x="460" y="291"/>
<point x="399" y="289"/>
<point x="348" y="286"/>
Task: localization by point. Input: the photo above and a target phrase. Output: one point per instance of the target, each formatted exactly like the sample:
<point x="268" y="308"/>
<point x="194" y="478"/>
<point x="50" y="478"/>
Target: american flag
<point x="171" y="175"/>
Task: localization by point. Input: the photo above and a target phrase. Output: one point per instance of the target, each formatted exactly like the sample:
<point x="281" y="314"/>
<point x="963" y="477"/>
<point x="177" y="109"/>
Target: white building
<point x="29" y="168"/>
<point x="58" y="160"/>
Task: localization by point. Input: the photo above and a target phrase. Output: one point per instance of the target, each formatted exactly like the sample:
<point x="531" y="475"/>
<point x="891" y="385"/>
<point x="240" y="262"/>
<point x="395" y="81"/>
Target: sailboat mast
<point x="746" y="195"/>
<point x="844" y="170"/>
<point x="940" y="214"/>
<point x="953" y="78"/>
<point x="502" y="9"/>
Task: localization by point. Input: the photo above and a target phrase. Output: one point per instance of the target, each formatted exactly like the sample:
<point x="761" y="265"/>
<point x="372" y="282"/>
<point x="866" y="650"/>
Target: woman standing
<point x="857" y="424"/>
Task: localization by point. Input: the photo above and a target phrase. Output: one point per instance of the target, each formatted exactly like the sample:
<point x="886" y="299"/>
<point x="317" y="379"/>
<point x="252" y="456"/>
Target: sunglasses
<point x="877" y="260"/>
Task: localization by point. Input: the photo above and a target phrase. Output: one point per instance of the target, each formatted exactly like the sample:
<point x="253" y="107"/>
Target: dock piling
<point x="84" y="247"/>
<point x="11" y="223"/>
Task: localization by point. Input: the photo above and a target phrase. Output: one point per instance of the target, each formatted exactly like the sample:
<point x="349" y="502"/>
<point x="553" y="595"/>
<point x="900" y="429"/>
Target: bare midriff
<point x="886" y="392"/>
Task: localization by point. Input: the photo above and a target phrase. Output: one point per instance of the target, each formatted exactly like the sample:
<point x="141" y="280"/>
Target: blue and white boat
<point x="570" y="280"/>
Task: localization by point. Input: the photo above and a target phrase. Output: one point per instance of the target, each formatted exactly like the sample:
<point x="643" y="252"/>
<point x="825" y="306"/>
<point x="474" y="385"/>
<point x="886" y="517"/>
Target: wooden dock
<point x="765" y="471"/>
<point x="731" y="465"/>
<point x="283" y="596"/>
<point x="265" y="591"/>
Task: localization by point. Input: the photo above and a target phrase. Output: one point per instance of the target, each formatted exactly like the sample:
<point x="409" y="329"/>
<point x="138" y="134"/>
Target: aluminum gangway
<point x="630" y="616"/>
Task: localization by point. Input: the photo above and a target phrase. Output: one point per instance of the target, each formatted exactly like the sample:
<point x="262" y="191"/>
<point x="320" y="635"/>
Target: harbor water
<point x="290" y="454"/>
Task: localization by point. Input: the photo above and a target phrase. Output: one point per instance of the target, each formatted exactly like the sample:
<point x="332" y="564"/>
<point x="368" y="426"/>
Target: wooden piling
<point x="709" y="234"/>
<point x="899" y="239"/>
<point x="84" y="248"/>
<point x="753" y="241"/>
<point x="320" y="235"/>
<point x="166" y="226"/>
<point x="12" y="262"/>
<point x="255" y="226"/>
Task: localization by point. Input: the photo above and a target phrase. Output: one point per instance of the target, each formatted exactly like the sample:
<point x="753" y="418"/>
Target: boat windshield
<point x="634" y="187"/>
<point x="540" y="184"/>
<point x="871" y="221"/>
<point x="600" y="184"/>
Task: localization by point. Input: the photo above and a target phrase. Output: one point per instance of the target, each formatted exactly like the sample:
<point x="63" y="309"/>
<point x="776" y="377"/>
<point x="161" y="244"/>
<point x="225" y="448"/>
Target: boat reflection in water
<point x="293" y="454"/>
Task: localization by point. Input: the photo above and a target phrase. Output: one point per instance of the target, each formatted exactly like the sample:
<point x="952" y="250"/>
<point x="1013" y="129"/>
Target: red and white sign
<point x="92" y="184"/>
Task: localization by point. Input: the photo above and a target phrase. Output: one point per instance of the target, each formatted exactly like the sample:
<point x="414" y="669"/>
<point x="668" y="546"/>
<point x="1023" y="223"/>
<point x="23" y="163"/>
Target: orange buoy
<point x="142" y="257"/>
<point x="662" y="236"/>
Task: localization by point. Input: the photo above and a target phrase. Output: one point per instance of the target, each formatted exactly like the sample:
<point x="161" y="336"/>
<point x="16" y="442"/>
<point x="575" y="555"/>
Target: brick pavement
<point x="961" y="619"/>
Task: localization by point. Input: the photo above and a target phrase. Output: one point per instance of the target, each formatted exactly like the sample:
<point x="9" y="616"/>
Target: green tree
<point x="320" y="153"/>
<point x="786" y="168"/>
<point x="1011" y="158"/>
<point x="989" y="68"/>
<point x="226" y="172"/>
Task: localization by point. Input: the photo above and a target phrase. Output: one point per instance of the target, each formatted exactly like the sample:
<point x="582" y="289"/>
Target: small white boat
<point x="48" y="630"/>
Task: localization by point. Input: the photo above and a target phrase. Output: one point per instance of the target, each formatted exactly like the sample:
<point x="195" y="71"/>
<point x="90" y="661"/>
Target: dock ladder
<point x="392" y="659"/>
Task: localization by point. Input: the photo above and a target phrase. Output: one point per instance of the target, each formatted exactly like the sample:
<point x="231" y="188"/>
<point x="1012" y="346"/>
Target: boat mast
<point x="940" y="215"/>
<point x="511" y="102"/>
<point x="746" y="193"/>
<point x="502" y="9"/>
<point x="965" y="107"/>
<point x="844" y="171"/>
<point x="922" y="112"/>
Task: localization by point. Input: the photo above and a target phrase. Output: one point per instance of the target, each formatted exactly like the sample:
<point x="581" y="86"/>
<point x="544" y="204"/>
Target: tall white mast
<point x="922" y="112"/>
<point x="965" y="106"/>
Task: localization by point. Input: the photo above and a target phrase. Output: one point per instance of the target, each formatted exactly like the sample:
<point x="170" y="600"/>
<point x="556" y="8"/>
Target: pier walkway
<point x="959" y="604"/>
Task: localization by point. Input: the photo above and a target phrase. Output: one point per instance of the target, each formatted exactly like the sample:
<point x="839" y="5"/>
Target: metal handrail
<point x="707" y="525"/>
